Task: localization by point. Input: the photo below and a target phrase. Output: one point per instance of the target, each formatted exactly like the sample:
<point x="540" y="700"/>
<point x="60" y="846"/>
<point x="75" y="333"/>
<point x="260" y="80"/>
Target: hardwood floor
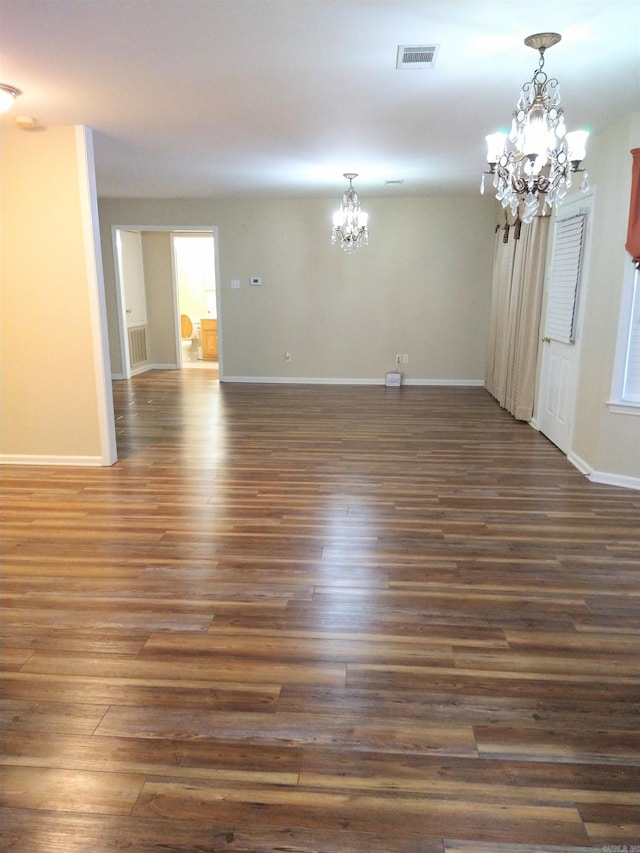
<point x="321" y="619"/>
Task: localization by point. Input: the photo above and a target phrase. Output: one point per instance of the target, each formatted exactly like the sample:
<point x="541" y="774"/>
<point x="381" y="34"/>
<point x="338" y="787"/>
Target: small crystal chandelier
<point x="350" y="223"/>
<point x="534" y="163"/>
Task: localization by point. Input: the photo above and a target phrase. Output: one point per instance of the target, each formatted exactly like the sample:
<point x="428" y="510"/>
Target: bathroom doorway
<point x="194" y="264"/>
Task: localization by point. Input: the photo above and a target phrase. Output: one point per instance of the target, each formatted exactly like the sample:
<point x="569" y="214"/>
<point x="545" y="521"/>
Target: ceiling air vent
<point x="417" y="56"/>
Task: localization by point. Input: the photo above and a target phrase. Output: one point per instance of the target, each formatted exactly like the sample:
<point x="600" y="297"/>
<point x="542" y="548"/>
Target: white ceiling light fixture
<point x="533" y="164"/>
<point x="350" y="222"/>
<point x="8" y="95"/>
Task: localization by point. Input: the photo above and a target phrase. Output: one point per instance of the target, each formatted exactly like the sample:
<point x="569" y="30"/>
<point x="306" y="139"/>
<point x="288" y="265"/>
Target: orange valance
<point x="633" y="232"/>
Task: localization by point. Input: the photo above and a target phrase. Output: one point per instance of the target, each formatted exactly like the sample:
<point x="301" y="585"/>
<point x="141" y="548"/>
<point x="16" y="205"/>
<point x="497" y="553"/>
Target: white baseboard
<point x="450" y="383"/>
<point x="144" y="369"/>
<point x="615" y="480"/>
<point x="302" y="380"/>
<point x="605" y="478"/>
<point x="29" y="459"/>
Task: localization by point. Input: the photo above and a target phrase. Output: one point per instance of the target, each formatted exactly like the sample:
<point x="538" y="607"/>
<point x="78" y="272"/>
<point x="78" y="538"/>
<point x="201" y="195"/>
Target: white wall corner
<point x="97" y="301"/>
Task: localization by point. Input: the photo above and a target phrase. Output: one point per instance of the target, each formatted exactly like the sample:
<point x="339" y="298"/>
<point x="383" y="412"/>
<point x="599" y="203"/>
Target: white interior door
<point x="132" y="277"/>
<point x="132" y="296"/>
<point x="565" y="297"/>
<point x="557" y="392"/>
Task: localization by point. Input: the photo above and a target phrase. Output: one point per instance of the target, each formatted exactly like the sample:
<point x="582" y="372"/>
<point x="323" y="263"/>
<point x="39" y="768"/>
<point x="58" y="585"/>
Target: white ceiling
<point x="212" y="98"/>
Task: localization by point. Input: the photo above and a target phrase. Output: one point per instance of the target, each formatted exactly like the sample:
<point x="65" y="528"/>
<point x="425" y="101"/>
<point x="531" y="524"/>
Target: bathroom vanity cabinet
<point x="209" y="339"/>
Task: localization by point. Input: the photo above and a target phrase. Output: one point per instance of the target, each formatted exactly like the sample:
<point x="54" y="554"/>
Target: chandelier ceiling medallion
<point x="350" y="222"/>
<point x="533" y="165"/>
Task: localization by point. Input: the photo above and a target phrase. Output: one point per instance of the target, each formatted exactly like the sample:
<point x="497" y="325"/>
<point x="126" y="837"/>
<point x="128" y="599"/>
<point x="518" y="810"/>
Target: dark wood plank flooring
<point x="319" y="619"/>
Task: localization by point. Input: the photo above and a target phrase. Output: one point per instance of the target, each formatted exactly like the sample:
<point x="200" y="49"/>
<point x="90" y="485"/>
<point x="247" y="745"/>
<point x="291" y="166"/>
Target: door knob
<point x="546" y="340"/>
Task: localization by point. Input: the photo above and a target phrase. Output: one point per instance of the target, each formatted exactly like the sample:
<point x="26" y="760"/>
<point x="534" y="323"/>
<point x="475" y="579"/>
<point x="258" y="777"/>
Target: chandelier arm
<point x="542" y="183"/>
<point x="520" y="185"/>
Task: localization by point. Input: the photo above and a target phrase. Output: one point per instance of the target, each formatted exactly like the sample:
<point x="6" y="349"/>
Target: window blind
<point x="564" y="279"/>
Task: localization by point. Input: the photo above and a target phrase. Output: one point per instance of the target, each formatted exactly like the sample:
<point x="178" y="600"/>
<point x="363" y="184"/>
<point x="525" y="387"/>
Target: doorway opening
<point x="151" y="330"/>
<point x="194" y="264"/>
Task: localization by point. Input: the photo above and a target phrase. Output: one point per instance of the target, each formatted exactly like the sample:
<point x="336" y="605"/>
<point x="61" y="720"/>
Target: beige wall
<point x="56" y="403"/>
<point x="421" y="287"/>
<point x="606" y="441"/>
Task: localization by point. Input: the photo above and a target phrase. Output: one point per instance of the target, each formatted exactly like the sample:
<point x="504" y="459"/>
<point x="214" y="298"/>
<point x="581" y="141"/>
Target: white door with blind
<point x="565" y="286"/>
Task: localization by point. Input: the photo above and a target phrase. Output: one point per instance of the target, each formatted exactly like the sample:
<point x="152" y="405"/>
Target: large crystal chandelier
<point x="8" y="94"/>
<point x="350" y="223"/>
<point x="533" y="165"/>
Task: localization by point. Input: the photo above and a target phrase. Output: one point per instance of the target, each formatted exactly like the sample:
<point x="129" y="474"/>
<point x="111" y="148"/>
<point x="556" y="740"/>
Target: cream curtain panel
<point x="514" y="326"/>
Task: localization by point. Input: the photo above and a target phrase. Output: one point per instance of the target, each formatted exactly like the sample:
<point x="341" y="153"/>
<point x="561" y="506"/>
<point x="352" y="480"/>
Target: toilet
<point x="186" y="331"/>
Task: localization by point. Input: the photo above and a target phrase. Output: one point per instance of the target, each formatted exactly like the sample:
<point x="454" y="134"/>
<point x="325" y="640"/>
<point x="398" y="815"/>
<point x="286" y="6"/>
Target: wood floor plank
<point x="221" y="696"/>
<point x="12" y="659"/>
<point x="69" y="790"/>
<point x="327" y="619"/>
<point x="179" y="758"/>
<point x="24" y="831"/>
<point x="417" y="816"/>
<point x="292" y="729"/>
<point x="599" y="747"/>
<point x="177" y="668"/>
<point x="606" y="821"/>
<point x="61" y="716"/>
<point x="303" y="649"/>
<point x="546" y="686"/>
<point x="471" y="709"/>
<point x="82" y="640"/>
<point x="463" y="846"/>
<point x="489" y="780"/>
<point x="402" y="635"/>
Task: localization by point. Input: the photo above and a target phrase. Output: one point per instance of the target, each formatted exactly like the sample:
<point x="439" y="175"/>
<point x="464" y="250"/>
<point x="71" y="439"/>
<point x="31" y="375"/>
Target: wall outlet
<point x="398" y="358"/>
<point x="405" y="359"/>
<point x="287" y="356"/>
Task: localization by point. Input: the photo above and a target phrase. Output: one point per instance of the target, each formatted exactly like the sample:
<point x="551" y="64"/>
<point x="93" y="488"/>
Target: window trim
<point x="631" y="288"/>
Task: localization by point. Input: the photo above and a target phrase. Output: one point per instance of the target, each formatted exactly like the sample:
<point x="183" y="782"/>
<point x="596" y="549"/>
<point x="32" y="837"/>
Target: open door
<point x="133" y="301"/>
<point x="565" y="299"/>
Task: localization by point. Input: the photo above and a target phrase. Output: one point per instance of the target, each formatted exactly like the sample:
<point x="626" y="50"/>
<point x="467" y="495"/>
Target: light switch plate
<point x="235" y="283"/>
